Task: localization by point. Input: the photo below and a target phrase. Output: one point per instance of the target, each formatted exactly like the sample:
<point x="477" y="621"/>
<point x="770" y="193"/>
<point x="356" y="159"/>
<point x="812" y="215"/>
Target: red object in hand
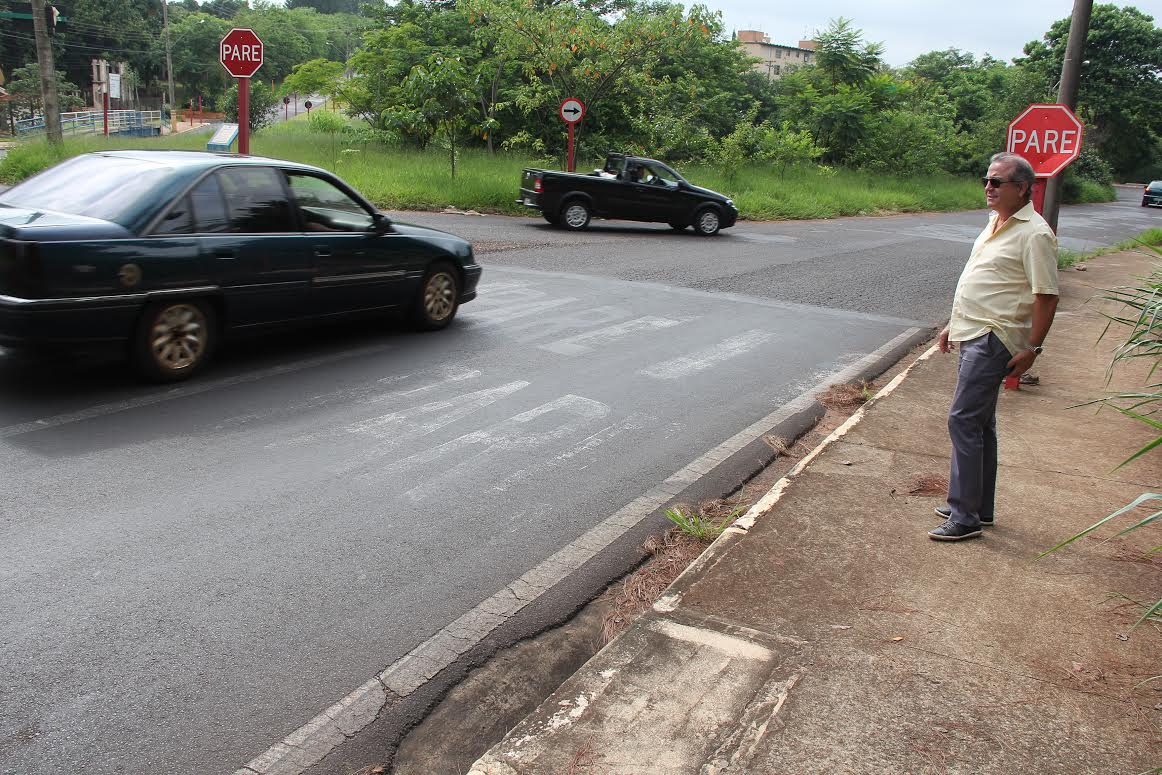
<point x="1012" y="383"/>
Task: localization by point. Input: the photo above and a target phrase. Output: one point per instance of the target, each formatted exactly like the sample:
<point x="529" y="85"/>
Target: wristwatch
<point x="1038" y="350"/>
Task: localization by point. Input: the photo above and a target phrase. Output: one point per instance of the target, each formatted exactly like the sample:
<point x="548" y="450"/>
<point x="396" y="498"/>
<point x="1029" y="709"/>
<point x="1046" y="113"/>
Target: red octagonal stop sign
<point x="241" y="53"/>
<point x="1048" y="136"/>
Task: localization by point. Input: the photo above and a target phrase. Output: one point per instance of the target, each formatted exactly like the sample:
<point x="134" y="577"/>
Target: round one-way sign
<point x="572" y="110"/>
<point x="1048" y="136"/>
<point x="240" y="53"/>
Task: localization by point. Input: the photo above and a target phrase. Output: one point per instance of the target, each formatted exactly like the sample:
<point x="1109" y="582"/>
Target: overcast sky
<point x="911" y="27"/>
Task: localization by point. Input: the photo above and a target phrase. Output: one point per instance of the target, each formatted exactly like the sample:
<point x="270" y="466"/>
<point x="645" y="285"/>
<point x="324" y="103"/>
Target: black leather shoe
<point x="946" y="513"/>
<point x="951" y="531"/>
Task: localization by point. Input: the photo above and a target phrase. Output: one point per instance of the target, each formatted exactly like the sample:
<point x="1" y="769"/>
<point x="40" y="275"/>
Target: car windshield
<point x="95" y="186"/>
<point x="1156" y="185"/>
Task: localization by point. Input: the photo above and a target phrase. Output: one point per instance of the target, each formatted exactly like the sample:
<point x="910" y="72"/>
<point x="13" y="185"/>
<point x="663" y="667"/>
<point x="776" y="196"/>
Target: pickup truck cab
<point x="630" y="188"/>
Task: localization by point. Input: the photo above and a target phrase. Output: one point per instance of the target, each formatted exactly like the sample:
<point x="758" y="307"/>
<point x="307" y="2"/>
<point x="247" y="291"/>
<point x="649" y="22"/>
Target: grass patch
<point x="1067" y="258"/>
<point x="414" y="180"/>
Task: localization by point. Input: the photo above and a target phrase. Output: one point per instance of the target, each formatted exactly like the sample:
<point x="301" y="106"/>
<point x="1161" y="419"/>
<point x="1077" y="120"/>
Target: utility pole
<point x="169" y="66"/>
<point x="1067" y="93"/>
<point x="44" y="61"/>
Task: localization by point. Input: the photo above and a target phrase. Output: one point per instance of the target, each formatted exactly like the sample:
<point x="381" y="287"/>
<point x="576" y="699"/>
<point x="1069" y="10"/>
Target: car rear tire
<point x="438" y="299"/>
<point x="174" y="339"/>
<point x="707" y="222"/>
<point x="575" y="215"/>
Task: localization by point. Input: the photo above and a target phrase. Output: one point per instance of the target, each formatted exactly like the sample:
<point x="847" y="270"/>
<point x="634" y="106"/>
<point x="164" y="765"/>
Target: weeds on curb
<point x="700" y="526"/>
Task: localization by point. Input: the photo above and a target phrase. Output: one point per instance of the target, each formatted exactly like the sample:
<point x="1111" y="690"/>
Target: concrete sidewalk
<point x="827" y="633"/>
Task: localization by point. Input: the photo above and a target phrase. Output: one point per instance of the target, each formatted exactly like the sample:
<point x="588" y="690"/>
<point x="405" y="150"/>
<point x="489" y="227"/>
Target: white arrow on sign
<point x="572" y="110"/>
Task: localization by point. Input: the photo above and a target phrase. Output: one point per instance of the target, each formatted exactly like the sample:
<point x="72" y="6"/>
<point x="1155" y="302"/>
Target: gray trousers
<point x="972" y="426"/>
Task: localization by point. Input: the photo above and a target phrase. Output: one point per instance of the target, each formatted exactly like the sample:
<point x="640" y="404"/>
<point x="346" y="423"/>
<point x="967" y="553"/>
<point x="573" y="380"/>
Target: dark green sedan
<point x="165" y="252"/>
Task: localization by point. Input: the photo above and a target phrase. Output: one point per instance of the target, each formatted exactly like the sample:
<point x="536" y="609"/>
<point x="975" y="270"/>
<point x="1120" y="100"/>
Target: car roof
<point x="203" y="159"/>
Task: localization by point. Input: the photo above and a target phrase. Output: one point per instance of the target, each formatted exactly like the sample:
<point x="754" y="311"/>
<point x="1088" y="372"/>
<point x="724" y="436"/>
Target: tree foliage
<point x="1121" y="81"/>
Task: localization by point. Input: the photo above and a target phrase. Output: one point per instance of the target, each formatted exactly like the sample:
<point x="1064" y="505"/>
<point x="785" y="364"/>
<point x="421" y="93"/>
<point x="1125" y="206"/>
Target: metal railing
<point x="93" y="121"/>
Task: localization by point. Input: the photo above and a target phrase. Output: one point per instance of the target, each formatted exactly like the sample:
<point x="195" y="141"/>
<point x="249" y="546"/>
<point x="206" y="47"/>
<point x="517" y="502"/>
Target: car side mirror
<point x="381" y="224"/>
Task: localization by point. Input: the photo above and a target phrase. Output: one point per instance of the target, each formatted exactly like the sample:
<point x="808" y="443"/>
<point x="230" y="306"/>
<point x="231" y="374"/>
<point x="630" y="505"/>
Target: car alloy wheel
<point x="708" y="222"/>
<point x="439" y="297"/>
<point x="575" y="216"/>
<point x="178" y="337"/>
<point x="175" y="339"/>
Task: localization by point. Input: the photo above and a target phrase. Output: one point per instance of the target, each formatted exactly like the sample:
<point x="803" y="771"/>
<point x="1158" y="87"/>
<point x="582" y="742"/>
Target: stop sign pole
<point x="240" y="52"/>
<point x="1049" y="138"/>
<point x="572" y="110"/>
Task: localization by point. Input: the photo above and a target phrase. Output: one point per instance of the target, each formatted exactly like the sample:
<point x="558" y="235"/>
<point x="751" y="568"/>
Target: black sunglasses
<point x="995" y="182"/>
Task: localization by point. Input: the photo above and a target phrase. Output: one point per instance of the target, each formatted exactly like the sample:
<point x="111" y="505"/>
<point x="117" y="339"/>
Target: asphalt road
<point x="191" y="574"/>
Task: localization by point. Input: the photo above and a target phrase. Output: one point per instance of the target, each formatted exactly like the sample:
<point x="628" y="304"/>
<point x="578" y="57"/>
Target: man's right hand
<point x="945" y="345"/>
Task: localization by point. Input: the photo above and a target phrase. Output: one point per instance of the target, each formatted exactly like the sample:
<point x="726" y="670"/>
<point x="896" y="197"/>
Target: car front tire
<point x="174" y="339"/>
<point x="439" y="297"/>
<point x="707" y="222"/>
<point x="575" y="215"/>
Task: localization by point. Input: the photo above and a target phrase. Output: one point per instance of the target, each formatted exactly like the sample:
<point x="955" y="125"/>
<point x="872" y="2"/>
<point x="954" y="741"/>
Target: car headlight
<point x="730" y="203"/>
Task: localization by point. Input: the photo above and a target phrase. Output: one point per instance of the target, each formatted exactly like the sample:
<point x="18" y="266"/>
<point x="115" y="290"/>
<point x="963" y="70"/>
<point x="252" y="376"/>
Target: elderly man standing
<point x="1001" y="313"/>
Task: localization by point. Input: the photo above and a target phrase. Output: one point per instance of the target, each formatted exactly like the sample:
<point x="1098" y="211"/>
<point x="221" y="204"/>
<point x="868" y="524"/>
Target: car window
<point x="96" y="186"/>
<point x="209" y="207"/>
<point x="655" y="175"/>
<point x="179" y="219"/>
<point x="1156" y="185"/>
<point x="325" y="207"/>
<point x="256" y="200"/>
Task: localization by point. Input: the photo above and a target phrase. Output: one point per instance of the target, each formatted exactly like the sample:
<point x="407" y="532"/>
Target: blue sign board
<point x="223" y="138"/>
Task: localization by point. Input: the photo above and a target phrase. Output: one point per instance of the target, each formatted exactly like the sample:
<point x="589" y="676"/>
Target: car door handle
<point x="322" y="252"/>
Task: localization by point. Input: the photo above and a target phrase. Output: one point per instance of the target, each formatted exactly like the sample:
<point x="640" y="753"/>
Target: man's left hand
<point x="1021" y="362"/>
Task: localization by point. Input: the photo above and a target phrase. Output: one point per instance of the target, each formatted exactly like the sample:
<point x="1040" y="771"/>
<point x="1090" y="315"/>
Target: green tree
<point x="439" y="98"/>
<point x="569" y="50"/>
<point x="195" y="39"/>
<point x="843" y="55"/>
<point x="262" y="104"/>
<point x="317" y="76"/>
<point x="326" y="6"/>
<point x="1121" y="83"/>
<point x="24" y="89"/>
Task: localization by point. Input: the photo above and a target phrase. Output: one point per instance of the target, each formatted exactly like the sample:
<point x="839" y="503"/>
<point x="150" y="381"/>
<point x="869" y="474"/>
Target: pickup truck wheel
<point x="174" y="339"/>
<point x="438" y="299"/>
<point x="575" y="215"/>
<point x="707" y="222"/>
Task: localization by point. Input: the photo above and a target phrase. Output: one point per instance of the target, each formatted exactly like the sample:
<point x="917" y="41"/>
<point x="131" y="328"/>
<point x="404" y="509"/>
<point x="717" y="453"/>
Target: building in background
<point x="775" y="59"/>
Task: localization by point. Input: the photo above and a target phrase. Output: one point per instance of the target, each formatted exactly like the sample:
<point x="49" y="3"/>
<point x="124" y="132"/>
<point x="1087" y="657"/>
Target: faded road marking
<point x="709" y="357"/>
<point x="584" y="343"/>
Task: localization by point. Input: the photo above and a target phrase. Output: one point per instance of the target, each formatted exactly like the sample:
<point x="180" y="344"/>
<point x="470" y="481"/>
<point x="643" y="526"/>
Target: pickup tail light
<point x="537" y="187"/>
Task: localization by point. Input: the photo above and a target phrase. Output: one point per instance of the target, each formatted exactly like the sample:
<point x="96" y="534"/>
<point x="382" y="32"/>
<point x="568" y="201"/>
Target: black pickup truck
<point x="630" y="188"/>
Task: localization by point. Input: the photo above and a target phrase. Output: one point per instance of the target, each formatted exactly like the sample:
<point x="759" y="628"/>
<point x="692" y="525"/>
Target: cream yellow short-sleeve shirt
<point x="1004" y="271"/>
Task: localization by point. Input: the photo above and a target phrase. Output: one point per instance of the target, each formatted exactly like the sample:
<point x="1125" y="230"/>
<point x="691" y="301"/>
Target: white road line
<point x="677" y="368"/>
<point x="401" y="426"/>
<point x="310" y="743"/>
<point x="584" y="343"/>
<point x="104" y="410"/>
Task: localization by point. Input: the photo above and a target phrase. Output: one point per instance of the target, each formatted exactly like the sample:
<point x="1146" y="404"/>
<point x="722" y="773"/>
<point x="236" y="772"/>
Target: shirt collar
<point x="1025" y="213"/>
